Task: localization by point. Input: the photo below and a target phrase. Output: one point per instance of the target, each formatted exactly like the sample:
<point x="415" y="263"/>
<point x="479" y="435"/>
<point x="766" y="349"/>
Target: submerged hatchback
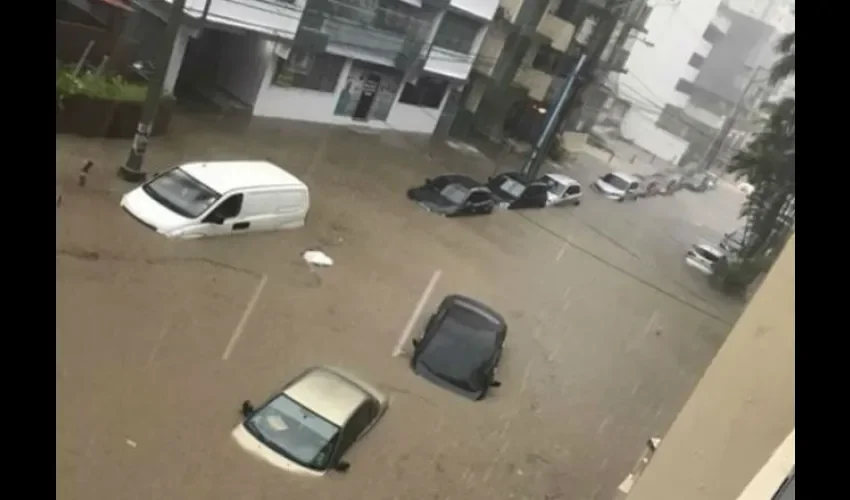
<point x="309" y="426"/>
<point x="461" y="347"/>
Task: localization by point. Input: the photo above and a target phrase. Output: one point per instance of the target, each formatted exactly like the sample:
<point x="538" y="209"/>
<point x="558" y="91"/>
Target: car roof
<point x="563" y="179"/>
<point x="327" y="393"/>
<point x="225" y="176"/>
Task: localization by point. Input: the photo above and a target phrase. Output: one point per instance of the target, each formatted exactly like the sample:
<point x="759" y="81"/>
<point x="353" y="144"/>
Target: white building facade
<point x="660" y="70"/>
<point x="383" y="64"/>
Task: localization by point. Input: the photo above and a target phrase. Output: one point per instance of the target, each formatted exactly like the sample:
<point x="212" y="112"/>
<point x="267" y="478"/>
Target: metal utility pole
<point x="131" y="171"/>
<point x="540" y="148"/>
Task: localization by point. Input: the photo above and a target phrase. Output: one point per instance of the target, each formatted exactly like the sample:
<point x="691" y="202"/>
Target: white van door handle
<point x="239" y="226"/>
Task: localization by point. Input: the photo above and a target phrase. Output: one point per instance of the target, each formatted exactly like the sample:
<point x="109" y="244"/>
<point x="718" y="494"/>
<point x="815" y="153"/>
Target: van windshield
<point x="181" y="193"/>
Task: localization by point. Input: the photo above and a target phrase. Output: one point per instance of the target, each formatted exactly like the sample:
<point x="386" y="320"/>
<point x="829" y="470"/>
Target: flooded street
<point x="160" y="341"/>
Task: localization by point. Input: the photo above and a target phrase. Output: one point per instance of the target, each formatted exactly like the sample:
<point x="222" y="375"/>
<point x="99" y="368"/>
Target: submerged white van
<point x="218" y="198"/>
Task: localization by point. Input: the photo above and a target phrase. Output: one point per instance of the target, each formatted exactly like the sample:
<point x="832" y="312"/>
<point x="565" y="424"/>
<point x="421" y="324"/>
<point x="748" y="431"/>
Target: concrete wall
<point x="638" y="126"/>
<point x="741" y="412"/>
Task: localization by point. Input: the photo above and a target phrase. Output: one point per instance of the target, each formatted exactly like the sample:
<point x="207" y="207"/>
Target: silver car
<point x="308" y="426"/>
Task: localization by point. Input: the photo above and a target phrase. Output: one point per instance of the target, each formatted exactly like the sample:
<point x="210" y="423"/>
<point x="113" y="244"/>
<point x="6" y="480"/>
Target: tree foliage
<point x="769" y="164"/>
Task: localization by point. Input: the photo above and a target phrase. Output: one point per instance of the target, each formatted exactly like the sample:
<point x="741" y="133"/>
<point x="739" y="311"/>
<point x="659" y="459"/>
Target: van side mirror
<point x="415" y="343"/>
<point x="495" y="383"/>
<point x="429" y="181"/>
<point x="247" y="409"/>
<point x="342" y="466"/>
<point x="214" y="218"/>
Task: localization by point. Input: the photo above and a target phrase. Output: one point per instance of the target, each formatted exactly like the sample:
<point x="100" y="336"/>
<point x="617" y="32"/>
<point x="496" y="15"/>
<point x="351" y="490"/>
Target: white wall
<point x="640" y="128"/>
<point x="243" y="66"/>
<point x="314" y="106"/>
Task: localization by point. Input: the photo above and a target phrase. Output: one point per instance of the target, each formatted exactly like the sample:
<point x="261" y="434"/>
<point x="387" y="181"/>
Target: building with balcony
<point x="385" y="64"/>
<point x="530" y="49"/>
<point x="733" y="75"/>
<point x="658" y="72"/>
<point x="735" y="436"/>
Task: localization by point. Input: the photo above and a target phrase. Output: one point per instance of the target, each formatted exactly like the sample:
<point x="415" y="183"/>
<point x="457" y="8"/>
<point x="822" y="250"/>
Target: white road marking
<point x="561" y="252"/>
<point x="524" y="385"/>
<point x="155" y="350"/>
<point x="244" y="320"/>
<point x="652" y="323"/>
<point x="417" y="311"/>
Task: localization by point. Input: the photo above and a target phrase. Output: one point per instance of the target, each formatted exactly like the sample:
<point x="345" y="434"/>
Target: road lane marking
<point x="561" y="252"/>
<point x="417" y="311"/>
<point x="165" y="330"/>
<point x="244" y="320"/>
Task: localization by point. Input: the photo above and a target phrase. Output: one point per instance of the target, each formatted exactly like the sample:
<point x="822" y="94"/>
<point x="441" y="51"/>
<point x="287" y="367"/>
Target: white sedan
<point x="617" y="186"/>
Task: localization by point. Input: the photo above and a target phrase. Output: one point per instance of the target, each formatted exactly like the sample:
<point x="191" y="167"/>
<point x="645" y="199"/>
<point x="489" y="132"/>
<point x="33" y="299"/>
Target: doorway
<point x="367" y="97"/>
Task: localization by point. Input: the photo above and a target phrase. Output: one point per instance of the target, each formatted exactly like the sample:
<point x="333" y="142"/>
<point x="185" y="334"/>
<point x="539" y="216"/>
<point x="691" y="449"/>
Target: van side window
<point x="230" y="207"/>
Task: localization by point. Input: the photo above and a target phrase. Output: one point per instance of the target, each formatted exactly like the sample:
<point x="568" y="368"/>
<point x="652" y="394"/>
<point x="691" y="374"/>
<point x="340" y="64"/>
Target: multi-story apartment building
<point x="735" y="437"/>
<point x="731" y="80"/>
<point x="526" y="56"/>
<point x="385" y="64"/>
<point x="660" y="71"/>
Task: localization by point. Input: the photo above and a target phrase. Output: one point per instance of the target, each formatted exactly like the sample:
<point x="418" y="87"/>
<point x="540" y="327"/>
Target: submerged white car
<point x="309" y="426"/>
<point x="703" y="258"/>
<point x="617" y="186"/>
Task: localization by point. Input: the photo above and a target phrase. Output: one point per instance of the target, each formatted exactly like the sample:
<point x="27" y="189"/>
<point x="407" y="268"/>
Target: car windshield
<point x="706" y="254"/>
<point x="181" y="193"/>
<point x="616" y="181"/>
<point x="295" y="432"/>
<point x="461" y="349"/>
<point x="512" y="187"/>
<point x="554" y="186"/>
<point x="455" y="193"/>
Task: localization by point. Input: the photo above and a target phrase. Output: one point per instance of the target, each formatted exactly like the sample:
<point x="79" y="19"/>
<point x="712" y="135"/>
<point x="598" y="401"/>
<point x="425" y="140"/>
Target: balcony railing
<point x="556" y="29"/>
<point x="536" y="81"/>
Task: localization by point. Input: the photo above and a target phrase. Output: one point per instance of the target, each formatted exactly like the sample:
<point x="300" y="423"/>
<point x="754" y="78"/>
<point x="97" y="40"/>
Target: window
<point x="547" y="60"/>
<point x="457" y="33"/>
<point x="309" y="70"/>
<point x="696" y="61"/>
<point x="427" y="92"/>
<point x="479" y="197"/>
<point x="573" y="190"/>
<point x="671" y="121"/>
<point x="230" y="207"/>
<point x="685" y="86"/>
<point x="712" y="34"/>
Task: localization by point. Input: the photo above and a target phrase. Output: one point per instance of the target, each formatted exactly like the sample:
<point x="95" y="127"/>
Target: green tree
<point x="769" y="164"/>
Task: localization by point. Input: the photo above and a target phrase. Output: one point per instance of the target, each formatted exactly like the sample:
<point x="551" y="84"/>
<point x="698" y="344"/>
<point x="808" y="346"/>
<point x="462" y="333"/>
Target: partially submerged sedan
<point x="461" y="347"/>
<point x="308" y="426"/>
<point x="515" y="191"/>
<point x="453" y="195"/>
<point x="617" y="186"/>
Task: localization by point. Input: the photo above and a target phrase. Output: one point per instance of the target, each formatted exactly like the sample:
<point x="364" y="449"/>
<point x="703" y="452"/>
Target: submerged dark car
<point x="515" y="191"/>
<point x="453" y="195"/>
<point x="461" y="347"/>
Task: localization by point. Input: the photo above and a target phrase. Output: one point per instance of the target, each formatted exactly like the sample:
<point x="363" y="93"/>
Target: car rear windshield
<point x="455" y="193"/>
<point x="512" y="187"/>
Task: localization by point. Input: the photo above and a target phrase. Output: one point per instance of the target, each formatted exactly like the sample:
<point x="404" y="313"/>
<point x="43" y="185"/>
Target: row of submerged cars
<point x="454" y="195"/>
<point x="309" y="425"/>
